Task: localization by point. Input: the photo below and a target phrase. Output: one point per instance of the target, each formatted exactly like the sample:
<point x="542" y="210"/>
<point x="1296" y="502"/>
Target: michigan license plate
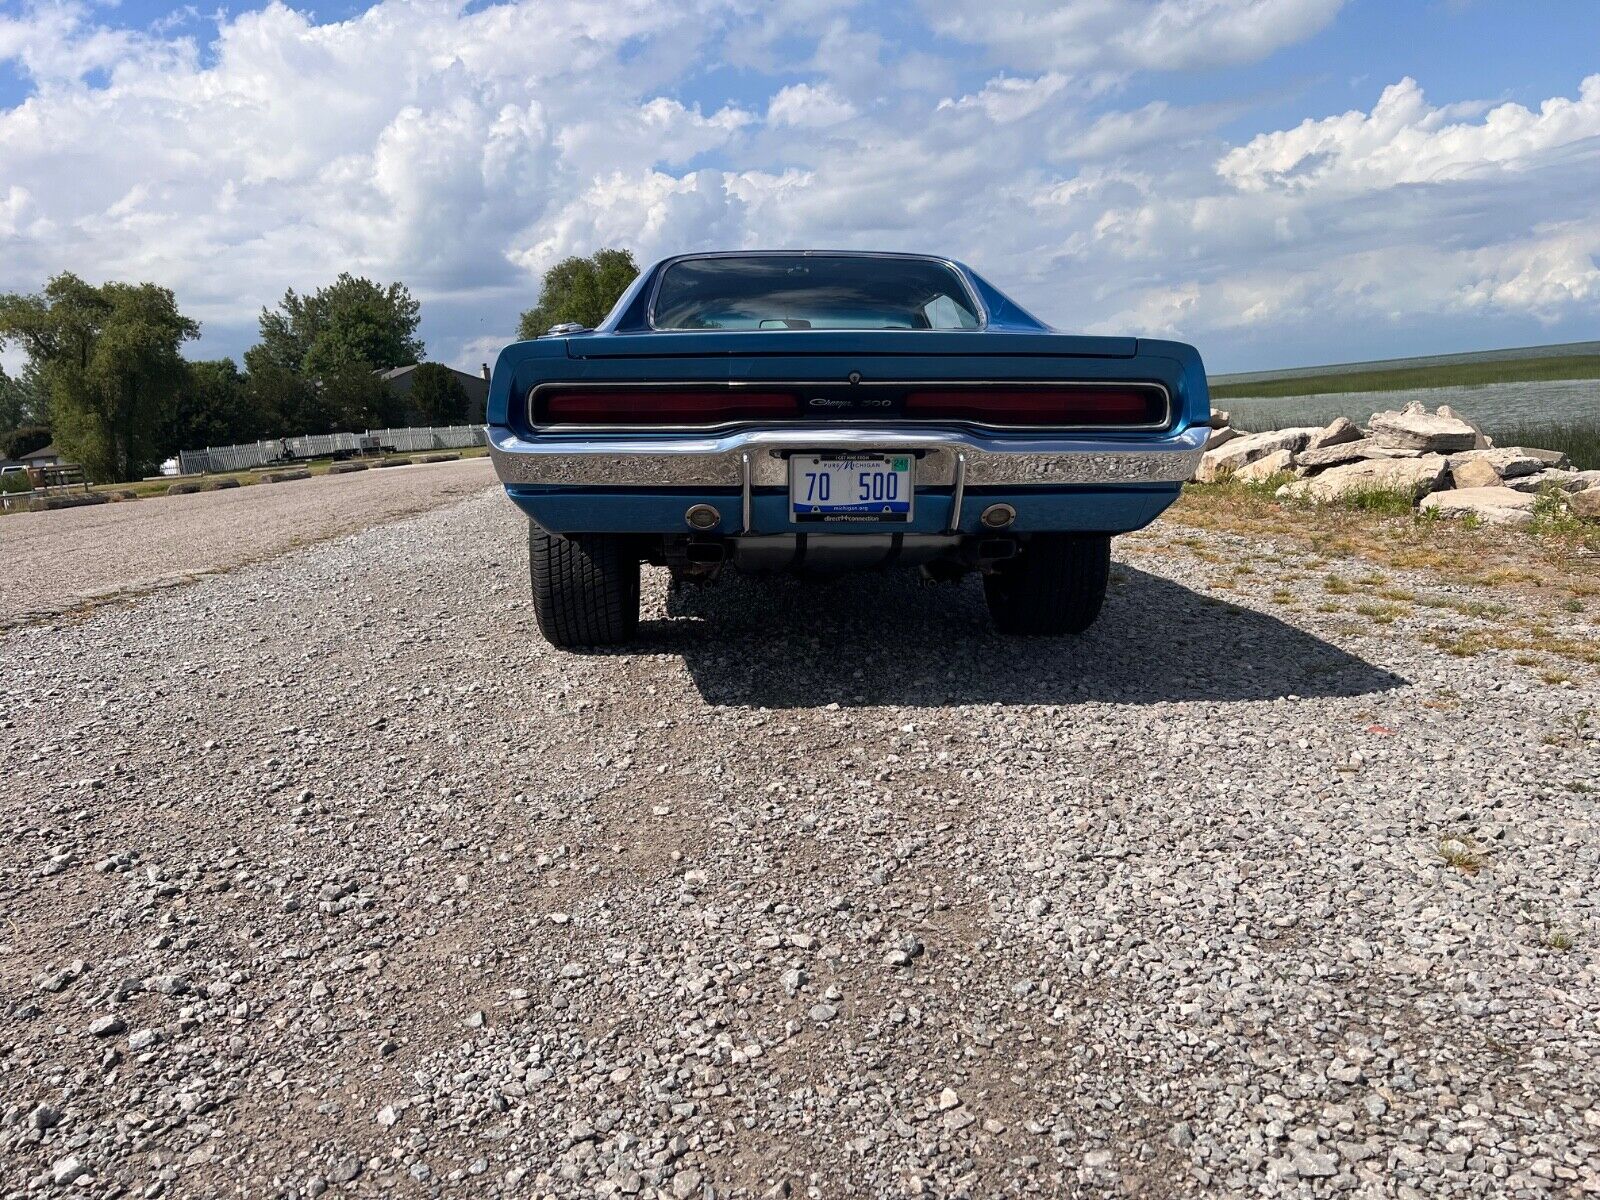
<point x="850" y="487"/>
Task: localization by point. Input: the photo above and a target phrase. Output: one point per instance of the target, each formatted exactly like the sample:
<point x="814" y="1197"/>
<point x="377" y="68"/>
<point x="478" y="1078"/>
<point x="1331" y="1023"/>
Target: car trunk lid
<point x="854" y="343"/>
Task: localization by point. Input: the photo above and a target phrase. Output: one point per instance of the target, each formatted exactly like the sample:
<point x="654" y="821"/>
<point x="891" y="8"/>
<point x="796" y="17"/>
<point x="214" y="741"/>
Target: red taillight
<point x="651" y="406"/>
<point x="1042" y="406"/>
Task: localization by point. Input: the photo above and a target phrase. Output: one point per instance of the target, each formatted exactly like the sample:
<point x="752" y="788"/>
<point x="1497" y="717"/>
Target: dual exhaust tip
<point x="704" y="517"/>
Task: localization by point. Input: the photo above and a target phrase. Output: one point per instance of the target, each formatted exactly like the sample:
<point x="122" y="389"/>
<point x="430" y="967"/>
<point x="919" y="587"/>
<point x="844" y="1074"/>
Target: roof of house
<point x="396" y="372"/>
<point x="49" y="451"/>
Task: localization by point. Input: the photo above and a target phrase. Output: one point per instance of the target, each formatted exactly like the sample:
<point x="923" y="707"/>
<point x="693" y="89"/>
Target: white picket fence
<point x="450" y="437"/>
<point x="229" y="458"/>
<point x="323" y="445"/>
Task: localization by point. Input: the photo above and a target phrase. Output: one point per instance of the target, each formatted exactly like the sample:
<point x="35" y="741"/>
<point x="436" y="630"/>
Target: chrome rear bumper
<point x="755" y="457"/>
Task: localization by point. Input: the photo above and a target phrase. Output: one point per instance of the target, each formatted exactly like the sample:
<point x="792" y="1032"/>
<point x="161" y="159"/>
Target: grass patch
<point x="1383" y="614"/>
<point x="1530" y="642"/>
<point x="1269" y="486"/>
<point x="1491" y="572"/>
<point x="1559" y="940"/>
<point x="1556" y="567"/>
<point x="1551" y="514"/>
<point x="1389" y="502"/>
<point x="1464" y="854"/>
<point x="1476" y="608"/>
<point x="1394" y="379"/>
<point x="1457" y="645"/>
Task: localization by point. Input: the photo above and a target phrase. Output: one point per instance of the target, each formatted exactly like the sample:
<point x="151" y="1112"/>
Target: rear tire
<point x="585" y="588"/>
<point x="1056" y="585"/>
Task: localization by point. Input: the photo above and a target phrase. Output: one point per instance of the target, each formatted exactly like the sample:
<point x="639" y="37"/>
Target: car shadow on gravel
<point x="890" y="638"/>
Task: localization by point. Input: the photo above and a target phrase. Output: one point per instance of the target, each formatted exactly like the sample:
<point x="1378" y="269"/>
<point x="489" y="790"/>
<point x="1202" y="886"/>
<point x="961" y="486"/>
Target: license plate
<point x="850" y="487"/>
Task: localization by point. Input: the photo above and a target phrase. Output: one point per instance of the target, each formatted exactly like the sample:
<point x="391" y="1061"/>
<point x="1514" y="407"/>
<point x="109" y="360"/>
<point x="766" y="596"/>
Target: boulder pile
<point x="1443" y="461"/>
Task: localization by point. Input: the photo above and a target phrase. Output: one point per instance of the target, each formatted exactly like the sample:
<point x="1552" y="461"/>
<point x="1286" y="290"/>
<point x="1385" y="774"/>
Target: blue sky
<point x="1279" y="181"/>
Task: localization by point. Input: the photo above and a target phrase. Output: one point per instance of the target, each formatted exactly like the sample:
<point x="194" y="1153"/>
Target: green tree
<point x="352" y="397"/>
<point x="211" y="408"/>
<point x="351" y="321"/>
<point x="23" y="399"/>
<point x="279" y="399"/>
<point x="437" y="397"/>
<point x="109" y="358"/>
<point x="581" y="290"/>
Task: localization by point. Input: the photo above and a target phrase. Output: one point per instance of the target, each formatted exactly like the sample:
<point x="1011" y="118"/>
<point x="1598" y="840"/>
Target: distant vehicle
<point x="818" y="411"/>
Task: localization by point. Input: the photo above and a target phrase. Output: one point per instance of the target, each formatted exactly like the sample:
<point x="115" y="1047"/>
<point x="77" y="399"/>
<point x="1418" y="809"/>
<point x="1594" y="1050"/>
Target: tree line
<point x="106" y="380"/>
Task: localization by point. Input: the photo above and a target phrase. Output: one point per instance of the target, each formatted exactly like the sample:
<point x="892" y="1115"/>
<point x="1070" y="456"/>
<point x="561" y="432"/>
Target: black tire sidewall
<point x="585" y="587"/>
<point x="1055" y="586"/>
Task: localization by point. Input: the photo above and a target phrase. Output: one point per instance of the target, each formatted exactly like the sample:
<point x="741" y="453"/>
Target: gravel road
<point x="327" y="875"/>
<point x="56" y="562"/>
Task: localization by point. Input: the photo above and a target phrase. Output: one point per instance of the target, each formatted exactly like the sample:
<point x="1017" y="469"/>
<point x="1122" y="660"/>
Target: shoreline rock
<point x="1219" y="464"/>
<point x="1345" y="452"/>
<point x="1414" y="428"/>
<point x="1419" y="476"/>
<point x="1444" y="461"/>
<point x="1265" y="467"/>
<point x="1492" y="505"/>
<point x="1340" y="431"/>
<point x="1488" y="468"/>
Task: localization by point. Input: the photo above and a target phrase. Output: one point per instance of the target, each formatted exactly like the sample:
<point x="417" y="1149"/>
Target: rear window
<point x="812" y="291"/>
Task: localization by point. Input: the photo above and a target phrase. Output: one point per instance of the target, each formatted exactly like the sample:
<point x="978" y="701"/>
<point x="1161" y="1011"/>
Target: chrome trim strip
<point x="734" y="385"/>
<point x="748" y="459"/>
<point x="979" y="308"/>
<point x="958" y="492"/>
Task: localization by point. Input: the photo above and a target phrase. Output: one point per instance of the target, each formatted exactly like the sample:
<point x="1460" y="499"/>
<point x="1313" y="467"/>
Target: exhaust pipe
<point x="705" y="552"/>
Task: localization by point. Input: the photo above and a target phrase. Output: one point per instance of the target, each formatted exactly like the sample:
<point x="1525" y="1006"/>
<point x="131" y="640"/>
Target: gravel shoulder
<point x="59" y="562"/>
<point x="331" y="876"/>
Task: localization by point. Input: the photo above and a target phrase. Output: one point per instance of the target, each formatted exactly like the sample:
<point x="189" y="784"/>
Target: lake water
<point x="1488" y="405"/>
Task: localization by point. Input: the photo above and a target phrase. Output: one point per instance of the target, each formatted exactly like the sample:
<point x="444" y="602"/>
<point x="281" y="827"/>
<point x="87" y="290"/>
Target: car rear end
<point x="806" y="449"/>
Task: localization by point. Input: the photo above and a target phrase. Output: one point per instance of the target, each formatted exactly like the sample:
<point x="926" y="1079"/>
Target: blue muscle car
<point x="817" y="411"/>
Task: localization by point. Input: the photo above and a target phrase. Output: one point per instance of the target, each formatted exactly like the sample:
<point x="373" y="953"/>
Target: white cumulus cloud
<point x="808" y="106"/>
<point x="1405" y="140"/>
<point x="465" y="148"/>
